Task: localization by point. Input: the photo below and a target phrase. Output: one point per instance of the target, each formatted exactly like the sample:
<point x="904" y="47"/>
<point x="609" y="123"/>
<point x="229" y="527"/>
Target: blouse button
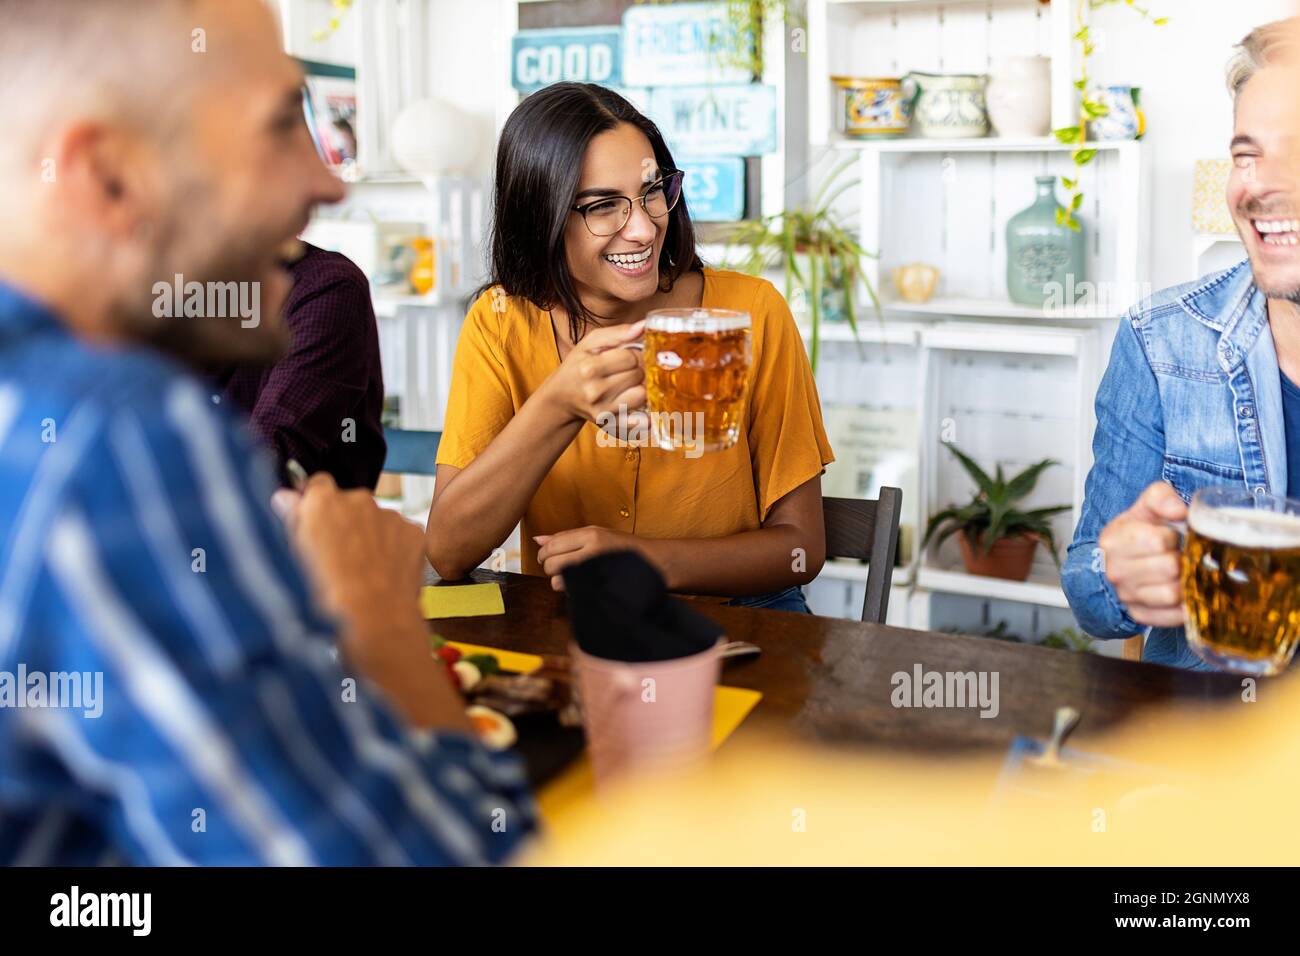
<point x="624" y="512"/>
<point x="630" y="456"/>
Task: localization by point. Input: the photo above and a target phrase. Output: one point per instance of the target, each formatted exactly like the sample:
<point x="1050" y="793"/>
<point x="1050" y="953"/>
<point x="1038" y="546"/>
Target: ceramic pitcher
<point x="948" y="106"/>
<point x="1124" y="119"/>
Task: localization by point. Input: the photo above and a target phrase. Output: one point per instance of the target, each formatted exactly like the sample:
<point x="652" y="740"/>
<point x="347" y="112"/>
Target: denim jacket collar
<point x="1233" y="305"/>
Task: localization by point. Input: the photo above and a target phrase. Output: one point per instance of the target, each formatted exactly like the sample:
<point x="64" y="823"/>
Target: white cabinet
<point x="1004" y="382"/>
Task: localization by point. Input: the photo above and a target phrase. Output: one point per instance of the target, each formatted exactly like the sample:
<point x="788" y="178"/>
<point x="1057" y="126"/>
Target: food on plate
<point x="494" y="729"/>
<point x="468" y="673"/>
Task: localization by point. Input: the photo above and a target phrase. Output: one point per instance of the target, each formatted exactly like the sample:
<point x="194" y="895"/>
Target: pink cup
<point x="652" y="714"/>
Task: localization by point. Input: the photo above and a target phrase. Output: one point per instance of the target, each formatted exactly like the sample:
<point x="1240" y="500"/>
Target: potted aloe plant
<point x="997" y="539"/>
<point x="820" y="256"/>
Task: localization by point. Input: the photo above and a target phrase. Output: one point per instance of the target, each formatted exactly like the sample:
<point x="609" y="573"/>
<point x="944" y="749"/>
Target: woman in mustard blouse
<point x="590" y="233"/>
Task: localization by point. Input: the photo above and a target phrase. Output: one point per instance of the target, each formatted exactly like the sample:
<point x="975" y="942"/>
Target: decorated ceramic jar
<point x="870" y="108"/>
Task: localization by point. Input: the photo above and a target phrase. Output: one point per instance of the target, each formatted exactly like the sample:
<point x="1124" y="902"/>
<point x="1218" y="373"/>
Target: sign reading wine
<point x="713" y="120"/>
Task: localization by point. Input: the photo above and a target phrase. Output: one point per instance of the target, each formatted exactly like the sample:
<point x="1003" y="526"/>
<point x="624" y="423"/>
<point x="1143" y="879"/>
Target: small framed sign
<point x="678" y="44"/>
<point x="715" y="120"/>
<point x="714" y="188"/>
<point x="580" y="54"/>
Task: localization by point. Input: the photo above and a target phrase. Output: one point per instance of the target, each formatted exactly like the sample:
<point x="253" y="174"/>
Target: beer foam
<point x="697" y="320"/>
<point x="1247" y="527"/>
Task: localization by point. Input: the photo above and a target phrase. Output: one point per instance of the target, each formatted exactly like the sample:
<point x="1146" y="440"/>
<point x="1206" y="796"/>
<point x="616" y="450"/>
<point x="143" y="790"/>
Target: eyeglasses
<point x="605" y="217"/>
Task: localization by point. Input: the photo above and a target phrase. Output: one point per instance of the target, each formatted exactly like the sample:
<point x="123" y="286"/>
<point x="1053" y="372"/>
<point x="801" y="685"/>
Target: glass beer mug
<point x="1241" y="579"/>
<point x="697" y="376"/>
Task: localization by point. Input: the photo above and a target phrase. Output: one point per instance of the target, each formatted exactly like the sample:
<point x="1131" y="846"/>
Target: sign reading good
<point x="714" y="188"/>
<point x="679" y="44"/>
<point x="713" y="120"/>
<point x="580" y="54"/>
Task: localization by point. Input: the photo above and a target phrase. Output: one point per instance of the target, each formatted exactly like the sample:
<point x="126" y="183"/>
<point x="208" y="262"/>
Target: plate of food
<point x="518" y="702"/>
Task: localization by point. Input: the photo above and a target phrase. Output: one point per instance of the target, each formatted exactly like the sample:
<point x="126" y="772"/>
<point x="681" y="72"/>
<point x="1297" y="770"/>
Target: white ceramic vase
<point x="1020" y="96"/>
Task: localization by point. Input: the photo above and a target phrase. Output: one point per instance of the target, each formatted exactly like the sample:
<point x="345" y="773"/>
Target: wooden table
<point x="833" y="679"/>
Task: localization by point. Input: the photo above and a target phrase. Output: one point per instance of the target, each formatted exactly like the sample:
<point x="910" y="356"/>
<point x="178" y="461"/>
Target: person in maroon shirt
<point x="321" y="403"/>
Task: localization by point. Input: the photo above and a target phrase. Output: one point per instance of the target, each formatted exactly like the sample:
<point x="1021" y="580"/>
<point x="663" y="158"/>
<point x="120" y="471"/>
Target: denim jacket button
<point x="1246" y="411"/>
<point x="1261" y="490"/>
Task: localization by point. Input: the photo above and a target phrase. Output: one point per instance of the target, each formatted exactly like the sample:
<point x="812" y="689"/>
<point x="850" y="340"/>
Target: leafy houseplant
<point x="997" y="538"/>
<point x="832" y="257"/>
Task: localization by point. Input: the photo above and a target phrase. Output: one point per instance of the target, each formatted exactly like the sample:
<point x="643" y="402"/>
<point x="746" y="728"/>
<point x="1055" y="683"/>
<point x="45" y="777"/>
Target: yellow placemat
<point x="461" y="600"/>
<point x="731" y="705"/>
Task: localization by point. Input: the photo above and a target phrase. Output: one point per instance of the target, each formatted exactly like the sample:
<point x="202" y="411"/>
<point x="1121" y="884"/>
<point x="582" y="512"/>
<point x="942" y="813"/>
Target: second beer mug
<point x="697" y="375"/>
<point x="1241" y="579"/>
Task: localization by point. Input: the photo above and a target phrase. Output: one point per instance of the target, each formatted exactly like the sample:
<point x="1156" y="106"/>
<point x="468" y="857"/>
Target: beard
<point x="1290" y="295"/>
<point x="204" y="342"/>
<point x="1289" y="291"/>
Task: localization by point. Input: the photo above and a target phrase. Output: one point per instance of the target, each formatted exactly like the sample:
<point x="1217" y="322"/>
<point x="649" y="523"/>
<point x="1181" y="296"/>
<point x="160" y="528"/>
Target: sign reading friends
<point x="679" y="44"/>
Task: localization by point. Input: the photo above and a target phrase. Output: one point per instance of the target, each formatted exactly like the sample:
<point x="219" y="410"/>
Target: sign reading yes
<point x="580" y="54"/>
<point x="714" y="188"/>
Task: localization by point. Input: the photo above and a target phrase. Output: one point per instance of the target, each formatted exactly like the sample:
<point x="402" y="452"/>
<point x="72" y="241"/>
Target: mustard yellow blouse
<point x="504" y="356"/>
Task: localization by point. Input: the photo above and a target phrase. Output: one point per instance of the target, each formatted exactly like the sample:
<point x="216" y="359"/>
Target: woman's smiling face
<point x="621" y="268"/>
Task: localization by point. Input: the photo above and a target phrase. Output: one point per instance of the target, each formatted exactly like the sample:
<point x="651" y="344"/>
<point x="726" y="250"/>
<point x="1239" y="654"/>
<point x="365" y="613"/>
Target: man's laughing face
<point x="1262" y="188"/>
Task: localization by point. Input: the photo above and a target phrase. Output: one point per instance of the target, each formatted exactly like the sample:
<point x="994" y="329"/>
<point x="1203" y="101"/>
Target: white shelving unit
<point x="1004" y="382"/>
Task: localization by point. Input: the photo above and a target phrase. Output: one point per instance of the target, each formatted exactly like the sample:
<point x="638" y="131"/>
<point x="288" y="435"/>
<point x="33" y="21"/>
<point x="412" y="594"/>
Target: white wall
<point x="469" y="58"/>
<point x="1180" y="67"/>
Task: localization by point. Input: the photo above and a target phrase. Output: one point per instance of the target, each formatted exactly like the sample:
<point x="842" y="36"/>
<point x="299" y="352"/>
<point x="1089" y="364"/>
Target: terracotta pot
<point x="1009" y="558"/>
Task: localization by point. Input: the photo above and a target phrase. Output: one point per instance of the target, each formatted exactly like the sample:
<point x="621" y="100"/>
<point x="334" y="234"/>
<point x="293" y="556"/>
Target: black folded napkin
<point x="621" y="611"/>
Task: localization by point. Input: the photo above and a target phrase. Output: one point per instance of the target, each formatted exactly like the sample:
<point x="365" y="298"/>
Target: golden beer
<point x="1241" y="580"/>
<point x="697" y="364"/>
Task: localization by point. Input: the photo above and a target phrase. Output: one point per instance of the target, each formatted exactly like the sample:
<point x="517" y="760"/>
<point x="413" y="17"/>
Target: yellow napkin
<point x="461" y="600"/>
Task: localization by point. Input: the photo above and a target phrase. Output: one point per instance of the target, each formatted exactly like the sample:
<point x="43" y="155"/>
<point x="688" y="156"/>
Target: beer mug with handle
<point x="1241" y="579"/>
<point x="697" y="376"/>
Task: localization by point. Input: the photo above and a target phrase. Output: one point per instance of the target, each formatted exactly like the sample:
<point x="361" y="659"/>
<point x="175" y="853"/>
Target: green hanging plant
<point x="341" y="9"/>
<point x="1089" y="108"/>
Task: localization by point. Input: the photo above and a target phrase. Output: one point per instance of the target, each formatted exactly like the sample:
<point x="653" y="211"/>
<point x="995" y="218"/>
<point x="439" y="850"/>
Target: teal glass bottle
<point x="1045" y="261"/>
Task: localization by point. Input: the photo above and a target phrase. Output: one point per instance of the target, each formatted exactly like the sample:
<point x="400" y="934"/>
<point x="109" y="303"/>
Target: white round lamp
<point x="434" y="138"/>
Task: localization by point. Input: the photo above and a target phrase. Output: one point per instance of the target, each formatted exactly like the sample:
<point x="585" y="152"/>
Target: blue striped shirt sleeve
<point x="229" y="733"/>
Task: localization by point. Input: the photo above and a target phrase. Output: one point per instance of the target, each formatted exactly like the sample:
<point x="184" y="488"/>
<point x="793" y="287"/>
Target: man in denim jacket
<point x="1199" y="389"/>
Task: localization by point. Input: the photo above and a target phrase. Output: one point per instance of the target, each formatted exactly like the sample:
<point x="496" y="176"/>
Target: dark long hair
<point x="539" y="161"/>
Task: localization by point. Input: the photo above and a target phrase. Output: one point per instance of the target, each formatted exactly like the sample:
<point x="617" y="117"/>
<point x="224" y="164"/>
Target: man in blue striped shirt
<point x="173" y="688"/>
